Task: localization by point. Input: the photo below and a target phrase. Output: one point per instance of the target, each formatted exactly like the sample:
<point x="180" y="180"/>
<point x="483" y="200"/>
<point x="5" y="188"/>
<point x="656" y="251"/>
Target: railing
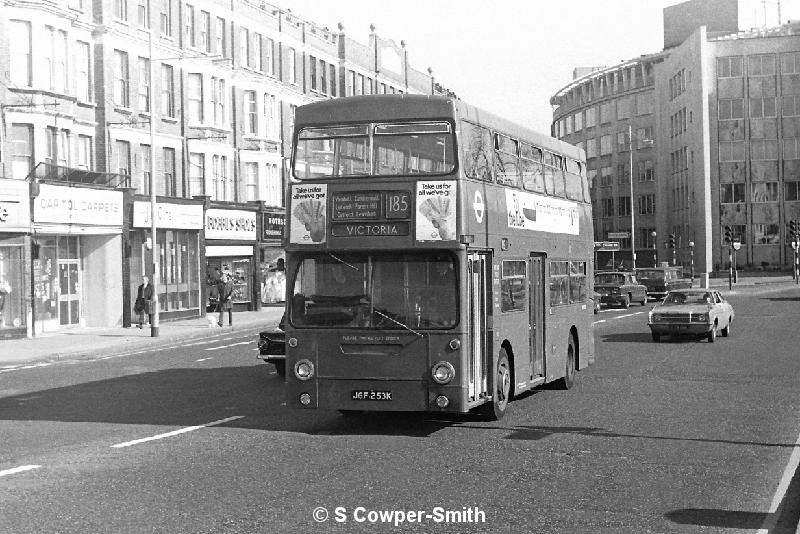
<point x="49" y="172"/>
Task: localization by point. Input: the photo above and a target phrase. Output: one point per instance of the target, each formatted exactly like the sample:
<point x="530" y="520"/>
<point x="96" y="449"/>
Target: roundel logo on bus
<point x="478" y="206"/>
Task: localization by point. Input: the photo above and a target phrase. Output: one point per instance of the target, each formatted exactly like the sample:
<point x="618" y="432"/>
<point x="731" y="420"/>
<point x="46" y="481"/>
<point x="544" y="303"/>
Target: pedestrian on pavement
<point x="225" y="296"/>
<point x="144" y="301"/>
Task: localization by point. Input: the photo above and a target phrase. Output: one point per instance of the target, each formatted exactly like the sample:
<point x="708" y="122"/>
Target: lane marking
<point x="204" y="359"/>
<point x="19" y="469"/>
<point x="229" y="346"/>
<point x="176" y="432"/>
<point x="620" y="316"/>
<point x="783" y="487"/>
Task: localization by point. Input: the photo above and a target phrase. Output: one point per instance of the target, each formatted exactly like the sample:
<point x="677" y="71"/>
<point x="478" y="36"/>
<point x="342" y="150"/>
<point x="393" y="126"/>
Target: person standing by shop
<point x="144" y="301"/>
<point x="225" y="299"/>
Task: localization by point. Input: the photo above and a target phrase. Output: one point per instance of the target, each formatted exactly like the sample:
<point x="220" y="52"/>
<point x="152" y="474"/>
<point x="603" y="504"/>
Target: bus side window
<point x="574" y="188"/>
<point x="477" y="151"/>
<point x="531" y="168"/>
<point x="558" y="178"/>
<point x="506" y="162"/>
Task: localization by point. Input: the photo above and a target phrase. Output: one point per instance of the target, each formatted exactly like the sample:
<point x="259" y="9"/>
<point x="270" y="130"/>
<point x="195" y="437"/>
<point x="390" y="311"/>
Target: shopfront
<point x="15" y="225"/>
<point x="77" y="237"/>
<point x="178" y="227"/>
<point x="230" y="247"/>
<point x="271" y="257"/>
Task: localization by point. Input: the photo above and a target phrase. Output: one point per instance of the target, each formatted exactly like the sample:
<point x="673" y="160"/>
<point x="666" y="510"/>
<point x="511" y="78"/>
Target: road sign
<point x="619" y="235"/>
<point x="606" y="246"/>
<point x="737" y="245"/>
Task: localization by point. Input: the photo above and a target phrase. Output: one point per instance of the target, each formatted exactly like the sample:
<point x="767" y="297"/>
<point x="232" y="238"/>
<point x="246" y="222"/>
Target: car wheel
<point x="656" y="337"/>
<point x="626" y="302"/>
<point x="727" y="330"/>
<point x="712" y="335"/>
<point x="644" y="300"/>
<point x="496" y="409"/>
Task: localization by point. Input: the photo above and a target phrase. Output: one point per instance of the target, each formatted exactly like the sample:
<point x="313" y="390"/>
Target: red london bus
<point x="438" y="258"/>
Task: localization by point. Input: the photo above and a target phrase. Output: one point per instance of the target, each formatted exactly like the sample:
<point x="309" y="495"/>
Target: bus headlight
<point x="304" y="369"/>
<point x="305" y="399"/>
<point x="442" y="401"/>
<point x="443" y="372"/>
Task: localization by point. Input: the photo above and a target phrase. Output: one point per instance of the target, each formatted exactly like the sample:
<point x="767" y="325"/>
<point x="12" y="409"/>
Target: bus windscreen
<point x="381" y="291"/>
<point x="419" y="148"/>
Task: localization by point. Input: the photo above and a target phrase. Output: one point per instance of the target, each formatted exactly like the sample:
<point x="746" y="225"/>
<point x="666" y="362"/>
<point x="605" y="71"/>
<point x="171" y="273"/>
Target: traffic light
<point x="793" y="229"/>
<point x="671" y="241"/>
<point x="728" y="235"/>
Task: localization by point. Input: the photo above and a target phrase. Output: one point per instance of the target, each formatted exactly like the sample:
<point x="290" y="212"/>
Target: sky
<point x="510" y="56"/>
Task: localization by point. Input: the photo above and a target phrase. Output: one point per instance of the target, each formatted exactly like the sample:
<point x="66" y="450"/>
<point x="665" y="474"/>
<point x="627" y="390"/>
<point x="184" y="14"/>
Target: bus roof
<point x="371" y="108"/>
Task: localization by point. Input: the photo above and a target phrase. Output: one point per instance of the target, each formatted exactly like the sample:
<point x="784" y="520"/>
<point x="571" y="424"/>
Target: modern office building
<point x="715" y="118"/>
<point x="81" y="81"/>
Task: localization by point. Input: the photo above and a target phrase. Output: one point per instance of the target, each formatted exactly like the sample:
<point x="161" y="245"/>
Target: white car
<point x="698" y="312"/>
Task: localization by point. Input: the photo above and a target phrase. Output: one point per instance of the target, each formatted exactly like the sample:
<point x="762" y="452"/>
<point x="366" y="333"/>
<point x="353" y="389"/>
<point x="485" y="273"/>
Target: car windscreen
<point x="679" y="297"/>
<point x="652" y="275"/>
<point x="609" y="279"/>
<point x="376" y="290"/>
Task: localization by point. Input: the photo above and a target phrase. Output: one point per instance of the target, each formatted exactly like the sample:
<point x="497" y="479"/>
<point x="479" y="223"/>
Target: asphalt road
<point x="679" y="436"/>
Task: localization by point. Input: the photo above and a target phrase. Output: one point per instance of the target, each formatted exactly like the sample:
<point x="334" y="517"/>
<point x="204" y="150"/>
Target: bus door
<point x="478" y="265"/>
<point x="536" y="308"/>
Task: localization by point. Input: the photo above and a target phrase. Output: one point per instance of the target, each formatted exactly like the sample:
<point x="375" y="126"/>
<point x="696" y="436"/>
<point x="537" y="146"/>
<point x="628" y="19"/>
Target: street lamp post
<point x="153" y="210"/>
<point x="655" y="250"/>
<point x="630" y="177"/>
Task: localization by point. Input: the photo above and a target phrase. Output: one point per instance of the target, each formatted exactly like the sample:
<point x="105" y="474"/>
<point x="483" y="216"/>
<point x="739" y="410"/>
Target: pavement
<point x="94" y="342"/>
<point x="98" y="342"/>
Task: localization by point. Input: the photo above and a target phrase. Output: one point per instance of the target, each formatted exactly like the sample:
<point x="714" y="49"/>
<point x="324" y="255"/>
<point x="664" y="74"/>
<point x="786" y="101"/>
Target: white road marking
<point x="175" y="432"/>
<point x="228" y="346"/>
<point x="783" y="486"/>
<point x="21" y="367"/>
<point x="19" y="469"/>
<point x="620" y="317"/>
<point x="203" y="359"/>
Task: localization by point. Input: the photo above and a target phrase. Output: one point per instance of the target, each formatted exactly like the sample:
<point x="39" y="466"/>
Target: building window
<point x="644" y="104"/>
<point x="83" y="152"/>
<point x="605" y="176"/>
<point x="764" y="192"/>
<point x="623" y="109"/>
<point x="194" y="97"/>
<point x="244" y="47"/>
<point x="57" y="147"/>
<point x="591" y="148"/>
<point x="143" y="13"/>
<point x="190" y="26"/>
<point x="55" y="57"/>
<point x="19" y="39"/>
<point x="205" y="35"/>
<point x="731" y="193"/>
<point x="646" y="172"/>
<point x="83" y="68"/>
<point x="121" y="79"/>
<point x="766" y="234"/>
<point x="165" y="17"/>
<point x="144" y="84"/>
<point x="731" y="108"/>
<point x="761" y="65"/>
<point x="622" y="141"/>
<point x="121" y="9"/>
<point x="291" y="63"/>
<point x="146" y="176"/>
<point x="623" y="176"/>
<point x="792" y="191"/>
<point x="791" y="106"/>
<point x="251" y="110"/>
<point x="197" y="174"/>
<point x="21" y="149"/>
<point x="731" y="151"/>
<point x="624" y="206"/>
<point x="790" y="63"/>
<point x="605" y="145"/>
<point x="270" y="116"/>
<point x="167" y="91"/>
<point x="605" y="113"/>
<point x="258" y="57"/>
<point x="323" y="82"/>
<point x="269" y="56"/>
<point x="791" y="148"/>
<point x="219" y="169"/>
<point x="647" y="204"/>
<point x="762" y="107"/>
<point x="729" y="67"/>
<point x="218" y="100"/>
<point x="591" y="117"/>
<point x="219" y="36"/>
<point x="312" y="73"/>
<point x="169" y="185"/>
<point x="608" y="207"/>
<point x="764" y="149"/>
<point x="123" y="153"/>
<point x="251" y="181"/>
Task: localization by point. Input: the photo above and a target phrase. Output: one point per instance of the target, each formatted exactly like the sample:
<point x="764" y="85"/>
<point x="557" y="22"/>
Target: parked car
<point x="660" y="280"/>
<point x="272" y="347"/>
<point x="619" y="289"/>
<point x="698" y="312"/>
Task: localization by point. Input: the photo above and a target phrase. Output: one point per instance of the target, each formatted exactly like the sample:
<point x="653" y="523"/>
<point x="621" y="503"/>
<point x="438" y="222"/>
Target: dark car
<point x="662" y="280"/>
<point x="619" y="288"/>
<point x="272" y="347"/>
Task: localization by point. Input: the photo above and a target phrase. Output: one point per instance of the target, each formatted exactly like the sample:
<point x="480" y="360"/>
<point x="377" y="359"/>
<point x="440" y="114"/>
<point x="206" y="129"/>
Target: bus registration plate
<point x="370" y="394"/>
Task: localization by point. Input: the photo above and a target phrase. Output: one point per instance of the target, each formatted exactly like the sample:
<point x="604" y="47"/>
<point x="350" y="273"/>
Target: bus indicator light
<point x="454" y="344"/>
<point x="442" y="401"/>
<point x="304" y="369"/>
<point x="305" y="399"/>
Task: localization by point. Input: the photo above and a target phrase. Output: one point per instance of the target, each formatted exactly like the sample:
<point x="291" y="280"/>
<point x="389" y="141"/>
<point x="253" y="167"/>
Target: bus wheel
<point x="502" y="389"/>
<point x="568" y="380"/>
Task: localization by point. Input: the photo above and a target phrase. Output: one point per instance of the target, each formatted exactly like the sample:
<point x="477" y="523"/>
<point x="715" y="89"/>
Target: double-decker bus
<point x="438" y="258"/>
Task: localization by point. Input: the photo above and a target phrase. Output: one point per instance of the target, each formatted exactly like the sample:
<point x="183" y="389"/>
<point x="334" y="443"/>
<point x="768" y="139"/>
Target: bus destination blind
<point x="388" y="213"/>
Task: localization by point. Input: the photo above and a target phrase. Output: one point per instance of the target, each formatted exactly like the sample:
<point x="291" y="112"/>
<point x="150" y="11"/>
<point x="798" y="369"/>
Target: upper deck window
<point x="375" y="150"/>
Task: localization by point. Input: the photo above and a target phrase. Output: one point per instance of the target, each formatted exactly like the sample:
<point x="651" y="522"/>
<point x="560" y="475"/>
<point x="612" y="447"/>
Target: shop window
<point x="12" y="313"/>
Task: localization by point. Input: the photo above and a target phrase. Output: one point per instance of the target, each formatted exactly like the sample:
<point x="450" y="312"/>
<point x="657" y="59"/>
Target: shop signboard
<point x="173" y="216"/>
<point x="77" y="205"/>
<point x="15" y="212"/>
<point x="238" y="225"/>
<point x="273" y="224"/>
